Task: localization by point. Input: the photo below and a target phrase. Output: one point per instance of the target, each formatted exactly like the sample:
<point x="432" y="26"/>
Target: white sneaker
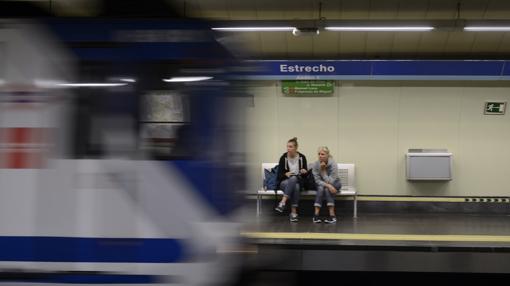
<point x="280" y="207"/>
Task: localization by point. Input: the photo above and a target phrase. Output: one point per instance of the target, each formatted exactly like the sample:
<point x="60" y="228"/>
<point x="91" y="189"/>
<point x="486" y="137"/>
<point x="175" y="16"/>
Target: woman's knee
<point x="293" y="179"/>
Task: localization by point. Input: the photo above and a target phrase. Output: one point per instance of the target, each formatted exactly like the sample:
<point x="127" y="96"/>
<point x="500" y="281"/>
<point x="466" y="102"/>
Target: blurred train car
<point x="120" y="153"/>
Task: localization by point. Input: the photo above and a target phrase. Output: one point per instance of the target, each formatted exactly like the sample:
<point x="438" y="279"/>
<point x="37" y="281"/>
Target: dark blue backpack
<point x="271" y="178"/>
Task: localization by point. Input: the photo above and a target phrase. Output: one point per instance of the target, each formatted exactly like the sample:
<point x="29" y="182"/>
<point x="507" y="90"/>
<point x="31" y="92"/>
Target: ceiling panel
<point x="193" y="8"/>
<point x="436" y="44"/>
<point x="459" y="42"/>
<point x="274" y="43"/>
<point x="504" y="47"/>
<point x="242" y="10"/>
<point x="405" y="43"/>
<point x="352" y="43"/>
<point x="332" y="9"/>
<point x="209" y="11"/>
<point x="486" y="42"/>
<point x="384" y="9"/>
<point x="498" y="10"/>
<point x="379" y="44"/>
<point x="432" y="42"/>
<point x="299" y="45"/>
<point x="473" y="9"/>
<point x="355" y="9"/>
<point x="412" y="10"/>
<point x="326" y="44"/>
<point x="442" y="9"/>
<point x="306" y="10"/>
<point x="266" y="10"/>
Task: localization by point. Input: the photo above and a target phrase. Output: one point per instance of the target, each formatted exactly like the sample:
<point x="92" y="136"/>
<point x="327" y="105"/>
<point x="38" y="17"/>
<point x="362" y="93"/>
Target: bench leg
<point x="259" y="202"/>
<point x="355" y="206"/>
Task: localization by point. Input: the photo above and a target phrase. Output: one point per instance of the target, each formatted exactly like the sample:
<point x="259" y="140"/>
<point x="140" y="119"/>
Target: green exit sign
<point x="304" y="87"/>
<point x="497" y="108"/>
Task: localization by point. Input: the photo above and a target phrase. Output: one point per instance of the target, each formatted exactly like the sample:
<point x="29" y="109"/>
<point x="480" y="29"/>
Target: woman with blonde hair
<point x="325" y="172"/>
<point x="292" y="167"/>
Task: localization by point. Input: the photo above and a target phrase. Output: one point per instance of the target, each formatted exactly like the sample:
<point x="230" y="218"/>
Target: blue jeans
<point x="324" y="193"/>
<point x="290" y="189"/>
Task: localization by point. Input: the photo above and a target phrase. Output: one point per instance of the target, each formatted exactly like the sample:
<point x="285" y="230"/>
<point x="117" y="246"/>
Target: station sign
<point x="307" y="87"/>
<point x="376" y="70"/>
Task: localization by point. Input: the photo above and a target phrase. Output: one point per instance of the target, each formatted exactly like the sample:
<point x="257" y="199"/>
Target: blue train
<point x="119" y="156"/>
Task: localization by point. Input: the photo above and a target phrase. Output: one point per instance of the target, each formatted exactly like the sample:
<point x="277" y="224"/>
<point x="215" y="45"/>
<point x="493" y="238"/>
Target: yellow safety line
<point x="377" y="236"/>
<point x="412" y="199"/>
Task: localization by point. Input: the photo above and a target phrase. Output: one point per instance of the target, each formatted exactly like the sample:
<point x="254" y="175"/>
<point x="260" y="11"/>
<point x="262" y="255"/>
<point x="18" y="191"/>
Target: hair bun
<point x="293" y="140"/>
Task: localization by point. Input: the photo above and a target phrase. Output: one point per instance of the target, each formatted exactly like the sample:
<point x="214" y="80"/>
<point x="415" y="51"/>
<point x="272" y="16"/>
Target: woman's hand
<point x="323" y="165"/>
<point x="303" y="171"/>
<point x="288" y="174"/>
<point x="331" y="189"/>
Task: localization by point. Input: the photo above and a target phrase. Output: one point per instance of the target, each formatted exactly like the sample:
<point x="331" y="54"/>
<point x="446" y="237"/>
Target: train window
<point x="164" y="114"/>
<point x="164" y="106"/>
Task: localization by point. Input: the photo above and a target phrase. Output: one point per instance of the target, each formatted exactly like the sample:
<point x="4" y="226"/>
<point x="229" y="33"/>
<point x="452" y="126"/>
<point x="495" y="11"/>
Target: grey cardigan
<point x="331" y="175"/>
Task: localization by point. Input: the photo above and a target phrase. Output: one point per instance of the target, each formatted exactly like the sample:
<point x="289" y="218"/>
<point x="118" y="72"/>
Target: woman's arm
<point x="317" y="175"/>
<point x="332" y="173"/>
<point x="304" y="168"/>
<point x="281" y="169"/>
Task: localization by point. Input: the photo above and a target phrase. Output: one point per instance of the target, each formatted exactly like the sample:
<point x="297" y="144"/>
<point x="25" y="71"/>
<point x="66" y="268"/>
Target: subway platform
<point x="417" y="242"/>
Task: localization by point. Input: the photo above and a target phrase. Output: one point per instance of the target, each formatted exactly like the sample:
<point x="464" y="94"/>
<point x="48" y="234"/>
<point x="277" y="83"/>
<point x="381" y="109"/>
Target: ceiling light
<point x="127" y="79"/>
<point x="45" y="83"/>
<point x="253" y="29"/>
<point x="186" y="78"/>
<point x="308" y="31"/>
<point x="381" y="29"/>
<point x="487" y="28"/>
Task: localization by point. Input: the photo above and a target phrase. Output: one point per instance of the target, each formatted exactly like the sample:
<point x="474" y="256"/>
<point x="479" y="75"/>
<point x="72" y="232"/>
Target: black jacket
<point x="283" y="166"/>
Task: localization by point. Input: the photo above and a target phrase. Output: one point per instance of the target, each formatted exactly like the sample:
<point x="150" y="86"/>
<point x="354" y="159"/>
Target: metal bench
<point x="345" y="172"/>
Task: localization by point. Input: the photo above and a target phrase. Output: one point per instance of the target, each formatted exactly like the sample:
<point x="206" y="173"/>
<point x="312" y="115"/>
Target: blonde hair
<point x="325" y="149"/>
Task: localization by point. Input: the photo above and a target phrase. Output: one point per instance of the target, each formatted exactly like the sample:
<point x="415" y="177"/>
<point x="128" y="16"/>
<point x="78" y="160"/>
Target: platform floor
<point x="427" y="230"/>
<point x="425" y="243"/>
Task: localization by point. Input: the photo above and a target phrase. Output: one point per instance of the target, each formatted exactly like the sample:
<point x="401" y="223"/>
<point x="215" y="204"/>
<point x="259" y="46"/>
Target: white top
<point x="293" y="165"/>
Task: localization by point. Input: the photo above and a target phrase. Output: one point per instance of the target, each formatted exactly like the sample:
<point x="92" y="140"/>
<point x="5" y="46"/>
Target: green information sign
<point x="497" y="108"/>
<point x="298" y="87"/>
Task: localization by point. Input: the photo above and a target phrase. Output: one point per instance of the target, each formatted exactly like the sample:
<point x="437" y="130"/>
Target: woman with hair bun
<point x="292" y="167"/>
